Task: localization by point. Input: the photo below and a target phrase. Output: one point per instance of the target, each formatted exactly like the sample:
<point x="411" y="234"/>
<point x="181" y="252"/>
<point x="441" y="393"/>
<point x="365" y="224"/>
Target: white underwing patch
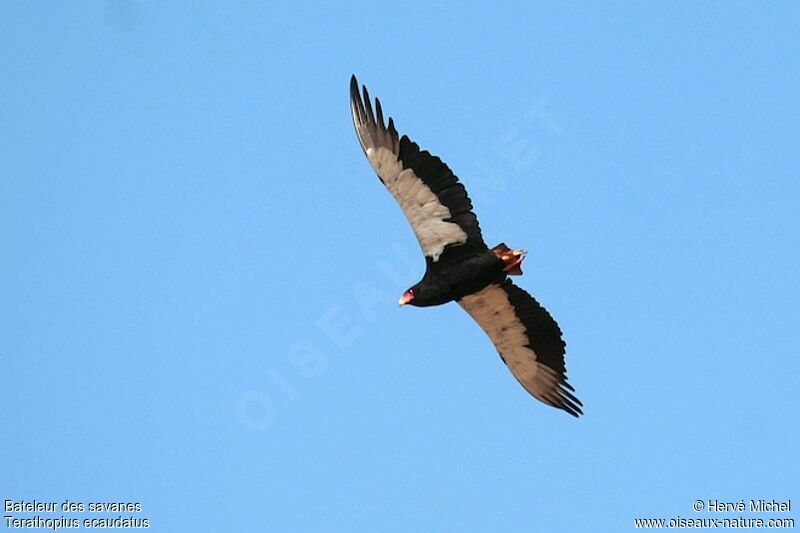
<point x="420" y="204"/>
<point x="492" y="310"/>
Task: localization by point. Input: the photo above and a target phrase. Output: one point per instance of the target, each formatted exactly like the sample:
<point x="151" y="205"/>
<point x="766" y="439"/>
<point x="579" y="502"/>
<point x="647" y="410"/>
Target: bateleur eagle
<point x="460" y="267"/>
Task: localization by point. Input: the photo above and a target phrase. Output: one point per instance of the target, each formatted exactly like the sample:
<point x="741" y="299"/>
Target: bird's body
<point x="459" y="265"/>
<point x="458" y="272"/>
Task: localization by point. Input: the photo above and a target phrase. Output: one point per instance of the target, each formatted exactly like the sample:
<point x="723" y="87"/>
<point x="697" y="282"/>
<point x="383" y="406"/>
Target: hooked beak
<point x="407" y="297"/>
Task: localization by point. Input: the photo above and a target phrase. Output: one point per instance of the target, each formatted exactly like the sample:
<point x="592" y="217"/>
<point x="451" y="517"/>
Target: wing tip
<point x="355" y="100"/>
<point x="568" y="401"/>
<point x="353" y="89"/>
<point x="371" y="128"/>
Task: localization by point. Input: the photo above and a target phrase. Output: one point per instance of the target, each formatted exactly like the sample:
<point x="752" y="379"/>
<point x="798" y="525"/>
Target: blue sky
<point x="200" y="271"/>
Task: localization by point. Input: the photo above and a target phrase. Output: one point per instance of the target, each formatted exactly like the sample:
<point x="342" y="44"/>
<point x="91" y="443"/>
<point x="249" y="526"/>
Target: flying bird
<point x="459" y="265"/>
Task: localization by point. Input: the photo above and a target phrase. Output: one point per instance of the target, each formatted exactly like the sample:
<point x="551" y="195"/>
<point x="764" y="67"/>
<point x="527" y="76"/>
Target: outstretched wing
<point x="527" y="339"/>
<point x="435" y="203"/>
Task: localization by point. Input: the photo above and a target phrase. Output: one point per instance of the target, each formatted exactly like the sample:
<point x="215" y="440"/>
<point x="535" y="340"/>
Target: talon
<point x="512" y="259"/>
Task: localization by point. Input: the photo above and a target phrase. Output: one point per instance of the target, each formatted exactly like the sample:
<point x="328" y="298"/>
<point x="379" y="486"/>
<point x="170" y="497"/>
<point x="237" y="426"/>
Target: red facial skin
<point x="407" y="297"/>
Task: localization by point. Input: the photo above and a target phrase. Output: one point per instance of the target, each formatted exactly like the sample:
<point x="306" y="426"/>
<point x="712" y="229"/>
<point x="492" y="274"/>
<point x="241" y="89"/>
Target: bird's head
<point x="407" y="297"/>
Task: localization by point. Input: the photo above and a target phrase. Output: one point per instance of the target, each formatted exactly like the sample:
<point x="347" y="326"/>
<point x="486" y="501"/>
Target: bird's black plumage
<point x="445" y="185"/>
<point x="460" y="271"/>
<point x="459" y="265"/>
<point x="545" y="340"/>
<point x="429" y="193"/>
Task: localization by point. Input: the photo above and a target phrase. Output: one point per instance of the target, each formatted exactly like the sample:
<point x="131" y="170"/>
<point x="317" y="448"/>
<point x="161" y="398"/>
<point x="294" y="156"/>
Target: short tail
<point x="512" y="259"/>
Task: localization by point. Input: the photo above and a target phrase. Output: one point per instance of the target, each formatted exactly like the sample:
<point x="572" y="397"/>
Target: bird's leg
<point x="512" y="259"/>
